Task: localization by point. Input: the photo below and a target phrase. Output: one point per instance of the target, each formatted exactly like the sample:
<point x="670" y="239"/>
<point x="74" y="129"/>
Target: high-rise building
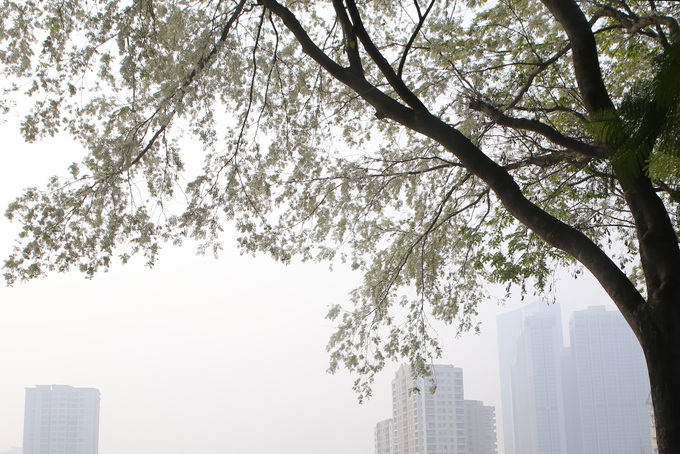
<point x="480" y="425"/>
<point x="430" y="416"/>
<point x="572" y="425"/>
<point x="425" y="421"/>
<point x="611" y="386"/>
<point x="530" y="341"/>
<point x="589" y="398"/>
<point x="383" y="437"/>
<point x="60" y="419"/>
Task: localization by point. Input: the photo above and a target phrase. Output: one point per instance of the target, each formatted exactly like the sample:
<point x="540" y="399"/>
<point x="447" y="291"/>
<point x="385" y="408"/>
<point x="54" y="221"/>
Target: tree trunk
<point x="660" y="339"/>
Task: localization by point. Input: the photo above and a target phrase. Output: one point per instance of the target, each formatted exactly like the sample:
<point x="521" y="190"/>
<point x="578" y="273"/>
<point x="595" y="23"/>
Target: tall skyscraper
<point x="426" y="422"/>
<point x="589" y="398"/>
<point x="611" y="386"/>
<point x="529" y="342"/>
<point x="60" y="419"/>
<point x="429" y="420"/>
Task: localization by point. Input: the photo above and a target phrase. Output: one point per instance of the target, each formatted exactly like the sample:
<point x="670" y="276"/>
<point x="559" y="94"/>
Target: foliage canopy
<point x="435" y="146"/>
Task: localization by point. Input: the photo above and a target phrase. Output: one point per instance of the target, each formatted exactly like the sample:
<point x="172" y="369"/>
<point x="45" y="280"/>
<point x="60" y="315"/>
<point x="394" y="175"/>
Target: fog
<point x="205" y="355"/>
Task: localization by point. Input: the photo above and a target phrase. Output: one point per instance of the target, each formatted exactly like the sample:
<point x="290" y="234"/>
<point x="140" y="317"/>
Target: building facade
<point x="480" y="424"/>
<point x="588" y="398"/>
<point x="427" y="422"/>
<point x="431" y="416"/>
<point x="383" y="437"/>
<point x="60" y="419"/>
<point x="530" y="343"/>
<point x="611" y="385"/>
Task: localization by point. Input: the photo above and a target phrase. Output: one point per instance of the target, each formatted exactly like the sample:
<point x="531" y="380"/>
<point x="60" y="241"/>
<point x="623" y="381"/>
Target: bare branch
<point x="533" y="74"/>
<point x="421" y="21"/>
<point x="633" y="23"/>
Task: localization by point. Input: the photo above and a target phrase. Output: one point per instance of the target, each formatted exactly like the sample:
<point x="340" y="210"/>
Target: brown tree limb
<point x="655" y="322"/>
<point x="392" y="77"/>
<point x="547" y="160"/>
<point x="584" y="51"/>
<point x="351" y="45"/>
<point x="634" y="23"/>
<point x="536" y="126"/>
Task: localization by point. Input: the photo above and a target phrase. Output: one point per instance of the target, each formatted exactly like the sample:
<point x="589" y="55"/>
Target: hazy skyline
<point x="206" y="355"/>
<point x="61" y="419"/>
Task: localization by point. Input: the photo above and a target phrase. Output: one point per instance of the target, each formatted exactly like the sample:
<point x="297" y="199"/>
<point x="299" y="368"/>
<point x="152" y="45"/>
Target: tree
<point x="435" y="146"/>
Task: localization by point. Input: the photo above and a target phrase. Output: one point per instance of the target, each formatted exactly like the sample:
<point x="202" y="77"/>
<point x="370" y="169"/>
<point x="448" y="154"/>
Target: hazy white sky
<point x="199" y="355"/>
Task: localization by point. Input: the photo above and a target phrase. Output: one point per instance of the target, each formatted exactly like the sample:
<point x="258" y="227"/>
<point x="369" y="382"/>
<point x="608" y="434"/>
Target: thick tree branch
<point x="384" y="105"/>
<point x="549" y="228"/>
<point x="552" y="230"/>
<point x="674" y="194"/>
<point x="392" y="77"/>
<point x="543" y="129"/>
<point x="584" y="52"/>
<point x="634" y="24"/>
<point x="547" y="160"/>
<point x="350" y="44"/>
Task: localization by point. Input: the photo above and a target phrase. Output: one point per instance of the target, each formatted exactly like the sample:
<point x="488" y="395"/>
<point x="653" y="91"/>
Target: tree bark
<point x="661" y="346"/>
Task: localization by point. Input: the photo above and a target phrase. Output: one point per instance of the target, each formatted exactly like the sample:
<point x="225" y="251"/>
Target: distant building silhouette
<point x="439" y="422"/>
<point x="589" y="398"/>
<point x="60" y="419"/>
<point x="480" y="425"/>
<point x="529" y="345"/>
<point x="383" y="437"/>
<point x="611" y="386"/>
